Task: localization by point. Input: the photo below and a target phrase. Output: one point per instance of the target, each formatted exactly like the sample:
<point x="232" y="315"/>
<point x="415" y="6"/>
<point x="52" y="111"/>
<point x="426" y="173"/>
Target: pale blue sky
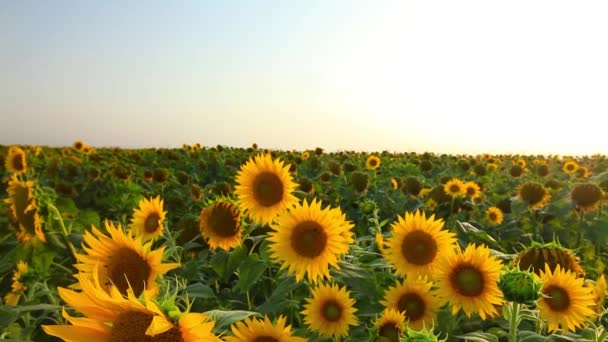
<point x="444" y="76"/>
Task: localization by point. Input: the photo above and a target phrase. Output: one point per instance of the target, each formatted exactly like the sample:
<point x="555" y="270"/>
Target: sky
<point x="464" y="77"/>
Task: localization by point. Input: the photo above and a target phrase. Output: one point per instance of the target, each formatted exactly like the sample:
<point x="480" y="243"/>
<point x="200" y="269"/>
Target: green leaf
<point x="250" y="271"/>
<point x="223" y="319"/>
<point x="200" y="290"/>
<point x="479" y="336"/>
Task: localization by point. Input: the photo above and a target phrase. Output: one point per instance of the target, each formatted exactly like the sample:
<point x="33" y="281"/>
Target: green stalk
<point x="64" y="230"/>
<point x="513" y="321"/>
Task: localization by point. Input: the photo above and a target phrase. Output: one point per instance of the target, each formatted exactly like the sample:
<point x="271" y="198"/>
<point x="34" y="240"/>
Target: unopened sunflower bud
<point x="519" y="286"/>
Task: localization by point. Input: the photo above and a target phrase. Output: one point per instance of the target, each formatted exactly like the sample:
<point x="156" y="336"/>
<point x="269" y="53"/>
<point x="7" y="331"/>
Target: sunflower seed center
<point x="126" y="267"/>
<point x="267" y="189"/>
<point x="152" y="223"/>
<point x="309" y="239"/>
<point x="557" y="298"/>
<point x="332" y="311"/>
<point x="467" y="280"/>
<point x="130" y="326"/>
<point x="413" y="306"/>
<point x="389" y="331"/>
<point x="419" y="248"/>
<point x="224" y="220"/>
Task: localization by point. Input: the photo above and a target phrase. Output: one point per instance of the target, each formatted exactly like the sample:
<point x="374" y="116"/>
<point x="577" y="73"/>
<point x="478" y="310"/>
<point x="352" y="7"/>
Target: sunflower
<point x="380" y="242"/>
<point x="265" y="188"/>
<point x="148" y="219"/>
<point x="330" y="311"/>
<point x="472" y="190"/>
<point x="15" y="162"/>
<point x="567" y="303"/>
<point x="78" y="145"/>
<point x="534" y="194"/>
<point x="537" y="255"/>
<point x="570" y="167"/>
<point x="124" y="260"/>
<point x="417" y="244"/>
<point x="390" y="325"/>
<point x="17" y="288"/>
<point x="582" y="172"/>
<point x="599" y="294"/>
<point x="308" y="239"/>
<point x="494" y="215"/>
<point x="469" y="281"/>
<point x="415" y="300"/>
<point x="455" y="188"/>
<point x="305" y="155"/>
<point x="492" y="166"/>
<point x="431" y="204"/>
<point x="221" y="224"/>
<point x="23" y="210"/>
<point x="257" y="330"/>
<point x="113" y="317"/>
<point x="395" y="182"/>
<point x="587" y="196"/>
<point x="372" y="162"/>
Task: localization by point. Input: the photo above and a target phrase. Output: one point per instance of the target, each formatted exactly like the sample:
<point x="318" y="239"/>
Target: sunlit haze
<point x="441" y="76"/>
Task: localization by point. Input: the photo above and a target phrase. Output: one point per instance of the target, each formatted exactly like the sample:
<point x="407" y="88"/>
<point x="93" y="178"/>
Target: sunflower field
<point x="256" y="245"/>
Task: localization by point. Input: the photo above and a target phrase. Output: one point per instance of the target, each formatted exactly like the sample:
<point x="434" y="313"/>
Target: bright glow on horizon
<point x="443" y="76"/>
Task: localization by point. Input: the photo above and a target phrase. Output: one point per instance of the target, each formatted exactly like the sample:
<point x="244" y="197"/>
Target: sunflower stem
<point x="249" y="306"/>
<point x="64" y="230"/>
<point x="513" y="321"/>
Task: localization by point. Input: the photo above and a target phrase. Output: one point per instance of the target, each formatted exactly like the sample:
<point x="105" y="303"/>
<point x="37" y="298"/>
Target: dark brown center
<point x="152" y="223"/>
<point x="419" y="248"/>
<point x="308" y="239"/>
<point x="557" y="298"/>
<point x="467" y="280"/>
<point x="331" y="311"/>
<point x="127" y="267"/>
<point x="267" y="189"/>
<point x="413" y="305"/>
<point x="389" y="331"/>
<point x="18" y="162"/>
<point x="223" y="220"/>
<point x="131" y="326"/>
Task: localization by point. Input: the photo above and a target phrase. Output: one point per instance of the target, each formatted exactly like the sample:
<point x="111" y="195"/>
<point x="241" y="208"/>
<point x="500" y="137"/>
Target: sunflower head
<point x="148" y="219"/>
<point x="586" y="196"/>
<point x="265" y="188"/>
<point x="566" y="302"/>
<point x="160" y="175"/>
<point x="570" y="167"/>
<point x="78" y="145"/>
<point x="308" y="240"/>
<point x="519" y="286"/>
<point x="582" y="172"/>
<point x="390" y="326"/>
<point x="360" y="181"/>
<point x="411" y="185"/>
<point x="534" y="194"/>
<point x="494" y="215"/>
<point x="196" y="192"/>
<point x="221" y="224"/>
<point x="17" y="288"/>
<point x="330" y="312"/>
<point x="396" y="183"/>
<point x="15" y="162"/>
<point x="23" y="210"/>
<point x="542" y="170"/>
<point x="372" y="162"/>
<point x="417" y="244"/>
<point x="258" y="330"/>
<point x="536" y="256"/>
<point x="516" y="171"/>
<point x="334" y="168"/>
<point x="455" y="188"/>
<point x="472" y="190"/>
<point x="599" y="294"/>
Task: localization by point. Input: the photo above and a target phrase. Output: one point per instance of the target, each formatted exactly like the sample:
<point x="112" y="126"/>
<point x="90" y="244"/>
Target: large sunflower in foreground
<point x="265" y="188"/>
<point x="468" y="280"/>
<point x="567" y="303"/>
<point x="112" y="317"/>
<point x="308" y="239"/>
<point x="23" y="210"/>
<point x="330" y="311"/>
<point x="15" y="162"/>
<point x="123" y="260"/>
<point x="148" y="219"/>
<point x="418" y="244"/>
<point x="220" y="223"/>
<point x="415" y="299"/>
<point x="390" y="325"/>
<point x="257" y="330"/>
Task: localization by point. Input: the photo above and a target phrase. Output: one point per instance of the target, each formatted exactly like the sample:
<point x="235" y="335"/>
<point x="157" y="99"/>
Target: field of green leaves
<point x="255" y="245"/>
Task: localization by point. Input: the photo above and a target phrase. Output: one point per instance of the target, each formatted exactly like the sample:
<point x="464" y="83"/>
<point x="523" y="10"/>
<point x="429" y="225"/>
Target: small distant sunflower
<point x="23" y="210"/>
<point x="395" y="182"/>
<point x="567" y="303"/>
<point x="305" y="155"/>
<point x="265" y="188"/>
<point x="536" y="256"/>
<point x="15" y="162"/>
<point x="308" y="239"/>
<point x="534" y="194"/>
<point x="521" y="162"/>
<point x="417" y="244"/>
<point x="469" y="281"/>
<point x="17" y="288"/>
<point x="124" y="261"/>
<point x="587" y="196"/>
<point x="570" y="167"/>
<point x="221" y="224"/>
<point x="148" y="220"/>
<point x="582" y="172"/>
<point x="455" y="188"/>
<point x="492" y="166"/>
<point x="330" y="311"/>
<point x="78" y="145"/>
<point x="415" y="299"/>
<point x="472" y="190"/>
<point x="380" y="242"/>
<point x="494" y="215"/>
<point x="390" y="325"/>
<point x="431" y="204"/>
<point x="372" y="162"/>
<point x="257" y="330"/>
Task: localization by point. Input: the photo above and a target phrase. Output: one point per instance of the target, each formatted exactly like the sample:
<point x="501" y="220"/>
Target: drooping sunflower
<point x="113" y="317"/>
<point x="390" y="325"/>
<point x="148" y="219"/>
<point x="17" y="288"/>
<point x="372" y="162"/>
<point x="570" y="167"/>
<point x="534" y="194"/>
<point x="257" y="330"/>
<point x="15" y="162"/>
<point x="308" y="240"/>
<point x="494" y="215"/>
<point x="586" y="196"/>
<point x="469" y="281"/>
<point x="598" y="289"/>
<point x="582" y="172"/>
<point x="455" y="188"/>
<point x="415" y="299"/>
<point x="124" y="259"/>
<point x="221" y="224"/>
<point x="537" y="255"/>
<point x="330" y="311"/>
<point x="23" y="210"/>
<point x="567" y="303"/>
<point x="265" y="188"/>
<point x="472" y="190"/>
<point x="418" y="244"/>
